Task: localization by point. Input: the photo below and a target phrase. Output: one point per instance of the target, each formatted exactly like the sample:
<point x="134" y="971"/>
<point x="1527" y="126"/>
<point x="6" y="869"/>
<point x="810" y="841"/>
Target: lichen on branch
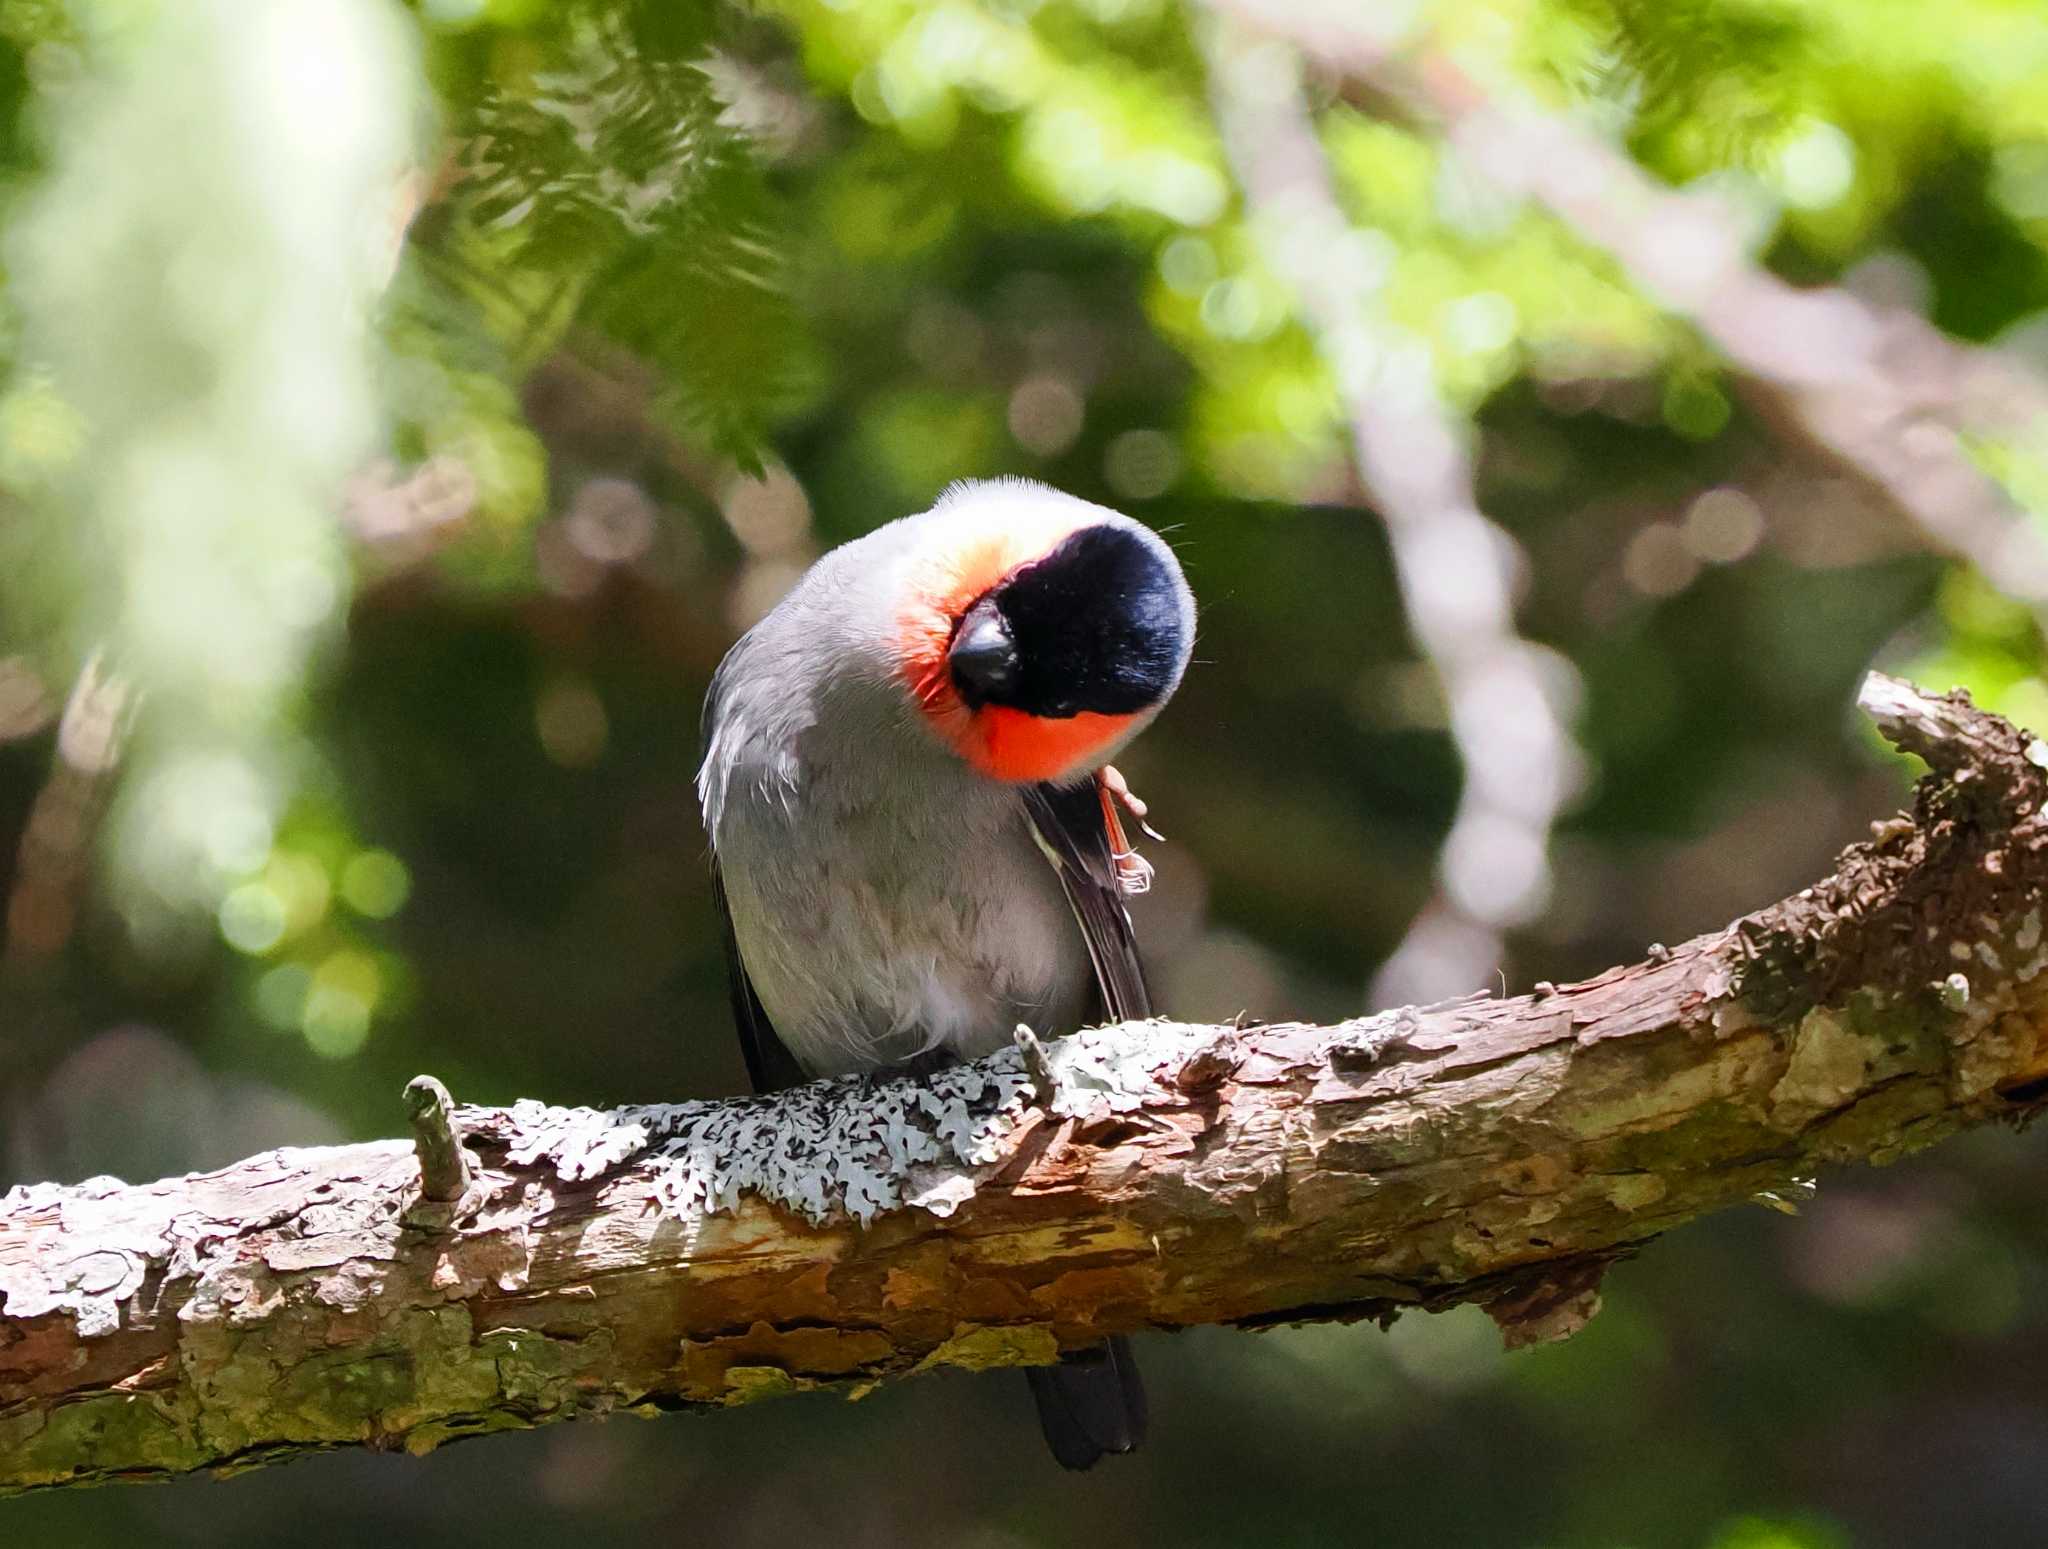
<point x="704" y="1254"/>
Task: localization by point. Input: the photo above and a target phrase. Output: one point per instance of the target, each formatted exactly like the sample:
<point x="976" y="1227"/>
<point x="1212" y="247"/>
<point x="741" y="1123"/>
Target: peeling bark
<point x="1503" y="1152"/>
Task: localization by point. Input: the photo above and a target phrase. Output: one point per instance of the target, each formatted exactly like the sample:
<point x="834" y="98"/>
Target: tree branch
<point x="1502" y="1152"/>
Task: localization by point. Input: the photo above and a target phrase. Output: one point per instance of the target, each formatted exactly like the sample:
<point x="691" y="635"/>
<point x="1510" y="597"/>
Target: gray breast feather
<point x="885" y="898"/>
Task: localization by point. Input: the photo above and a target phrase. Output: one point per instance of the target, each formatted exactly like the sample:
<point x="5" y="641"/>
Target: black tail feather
<point x="1092" y="1403"/>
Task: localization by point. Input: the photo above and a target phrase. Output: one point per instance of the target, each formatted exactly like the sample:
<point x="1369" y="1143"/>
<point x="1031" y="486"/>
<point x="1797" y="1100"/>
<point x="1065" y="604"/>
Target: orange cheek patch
<point x="977" y="553"/>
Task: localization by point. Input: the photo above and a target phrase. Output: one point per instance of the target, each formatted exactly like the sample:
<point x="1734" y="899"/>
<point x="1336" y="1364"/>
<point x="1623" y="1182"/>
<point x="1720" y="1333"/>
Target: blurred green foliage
<point x="416" y="560"/>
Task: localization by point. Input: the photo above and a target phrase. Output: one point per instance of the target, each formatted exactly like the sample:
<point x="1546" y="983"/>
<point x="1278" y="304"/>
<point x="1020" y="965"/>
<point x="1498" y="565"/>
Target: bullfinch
<point x="916" y="843"/>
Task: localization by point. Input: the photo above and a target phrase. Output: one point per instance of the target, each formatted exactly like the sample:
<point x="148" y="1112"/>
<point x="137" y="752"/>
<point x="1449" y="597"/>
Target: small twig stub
<point x="444" y="1165"/>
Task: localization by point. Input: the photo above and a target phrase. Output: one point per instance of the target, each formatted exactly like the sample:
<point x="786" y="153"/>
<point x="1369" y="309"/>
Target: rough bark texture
<point x="703" y="1254"/>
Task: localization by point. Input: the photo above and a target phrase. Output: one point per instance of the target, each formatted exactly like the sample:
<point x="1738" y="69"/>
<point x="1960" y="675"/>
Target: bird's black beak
<point x="983" y="657"/>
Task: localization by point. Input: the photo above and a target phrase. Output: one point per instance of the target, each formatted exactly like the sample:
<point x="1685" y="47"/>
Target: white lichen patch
<point x="856" y="1146"/>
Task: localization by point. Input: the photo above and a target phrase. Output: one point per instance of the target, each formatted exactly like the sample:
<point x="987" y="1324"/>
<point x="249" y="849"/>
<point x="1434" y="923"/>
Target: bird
<point x="916" y="843"/>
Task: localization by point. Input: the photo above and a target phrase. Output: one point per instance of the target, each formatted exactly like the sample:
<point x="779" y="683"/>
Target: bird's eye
<point x="983" y="658"/>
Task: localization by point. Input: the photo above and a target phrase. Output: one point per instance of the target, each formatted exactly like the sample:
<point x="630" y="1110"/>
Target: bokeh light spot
<point x="1658" y="563"/>
<point x="1188" y="265"/>
<point x="1141" y="464"/>
<point x="1481" y="323"/>
<point x="252" y="918"/>
<point x="375" y="884"/>
<point x="299" y="882"/>
<point x="336" y="1017"/>
<point x="1816" y="167"/>
<point x="1240" y="308"/>
<point x="771" y="515"/>
<point x="611" y="521"/>
<point x="571" y="722"/>
<point x="1045" y="415"/>
<point x="335" y="1023"/>
<point x="280" y="996"/>
<point x="1723" y="525"/>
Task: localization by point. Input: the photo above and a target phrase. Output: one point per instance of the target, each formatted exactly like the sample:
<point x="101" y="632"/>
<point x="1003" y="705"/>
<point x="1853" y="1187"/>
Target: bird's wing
<point x="1093" y="1401"/>
<point x="770" y="1066"/>
<point x="1078" y="831"/>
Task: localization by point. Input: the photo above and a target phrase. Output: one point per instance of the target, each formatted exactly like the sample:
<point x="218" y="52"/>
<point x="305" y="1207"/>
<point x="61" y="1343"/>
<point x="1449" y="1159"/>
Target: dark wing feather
<point x="770" y="1066"/>
<point x="1074" y="832"/>
<point x="1093" y="1402"/>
